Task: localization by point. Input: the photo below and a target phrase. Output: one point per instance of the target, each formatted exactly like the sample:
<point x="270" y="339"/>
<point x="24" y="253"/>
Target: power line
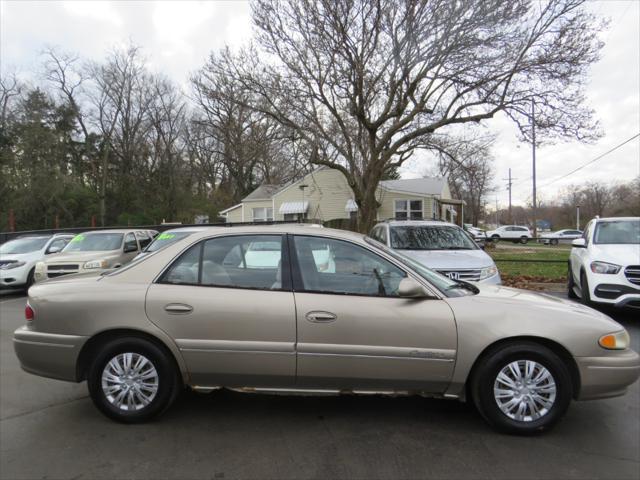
<point x="591" y="161"/>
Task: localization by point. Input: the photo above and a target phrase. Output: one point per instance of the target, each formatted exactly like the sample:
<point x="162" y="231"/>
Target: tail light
<point x="28" y="312"/>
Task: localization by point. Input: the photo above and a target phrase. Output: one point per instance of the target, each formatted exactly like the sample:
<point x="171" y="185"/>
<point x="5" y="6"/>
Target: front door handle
<point x="321" y="317"/>
<point x="178" y="308"/>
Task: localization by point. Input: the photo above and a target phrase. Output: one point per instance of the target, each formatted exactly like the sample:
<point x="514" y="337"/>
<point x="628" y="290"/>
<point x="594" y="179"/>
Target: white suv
<point x="514" y="233"/>
<point x="19" y="257"/>
<point x="604" y="265"/>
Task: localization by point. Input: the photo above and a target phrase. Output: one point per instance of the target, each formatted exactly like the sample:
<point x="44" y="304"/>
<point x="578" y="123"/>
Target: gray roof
<point x="423" y="186"/>
<point x="263" y="192"/>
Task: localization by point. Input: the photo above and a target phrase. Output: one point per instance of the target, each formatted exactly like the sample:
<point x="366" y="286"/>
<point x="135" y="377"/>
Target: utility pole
<point x="577" y="217"/>
<point x="533" y="144"/>
<point x="509" y="183"/>
<point x="497" y="224"/>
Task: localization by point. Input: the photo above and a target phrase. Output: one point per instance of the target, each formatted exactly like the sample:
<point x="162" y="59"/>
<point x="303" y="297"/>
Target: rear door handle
<point x="321" y="317"/>
<point x="178" y="308"/>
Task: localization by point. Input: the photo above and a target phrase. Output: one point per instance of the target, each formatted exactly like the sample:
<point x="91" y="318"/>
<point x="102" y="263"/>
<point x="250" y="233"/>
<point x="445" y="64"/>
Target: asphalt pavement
<point x="50" y="429"/>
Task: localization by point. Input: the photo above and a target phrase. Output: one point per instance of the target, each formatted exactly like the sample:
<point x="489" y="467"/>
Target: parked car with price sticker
<point x="440" y="246"/>
<point x="95" y="251"/>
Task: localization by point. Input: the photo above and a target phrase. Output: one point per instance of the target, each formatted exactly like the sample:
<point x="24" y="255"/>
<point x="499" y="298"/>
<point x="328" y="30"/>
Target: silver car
<point x="440" y="246"/>
<point x="307" y="310"/>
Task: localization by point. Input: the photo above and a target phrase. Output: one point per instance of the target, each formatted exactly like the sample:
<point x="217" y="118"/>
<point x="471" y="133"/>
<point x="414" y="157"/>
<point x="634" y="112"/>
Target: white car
<point x="561" y="236"/>
<point x="604" y="265"/>
<point x="515" y="233"/>
<point x="19" y="257"/>
<point x="440" y="246"/>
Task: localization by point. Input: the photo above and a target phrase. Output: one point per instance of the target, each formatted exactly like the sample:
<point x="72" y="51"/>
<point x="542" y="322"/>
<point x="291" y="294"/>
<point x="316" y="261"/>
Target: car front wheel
<point x="523" y="388"/>
<point x="132" y="380"/>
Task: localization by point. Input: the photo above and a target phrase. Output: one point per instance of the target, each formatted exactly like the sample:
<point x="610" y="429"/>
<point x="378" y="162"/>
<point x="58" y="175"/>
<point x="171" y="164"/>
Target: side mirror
<point x="53" y="250"/>
<point x="128" y="248"/>
<point x="579" y="243"/>
<point x="409" y="288"/>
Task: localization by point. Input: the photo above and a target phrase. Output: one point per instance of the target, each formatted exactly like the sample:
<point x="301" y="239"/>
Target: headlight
<point x="9" y="266"/>
<point x="615" y="341"/>
<point x="96" y="264"/>
<point x="604" y="267"/>
<point x="488" y="272"/>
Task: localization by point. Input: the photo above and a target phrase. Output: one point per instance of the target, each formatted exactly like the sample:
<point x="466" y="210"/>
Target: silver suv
<point x="440" y="246"/>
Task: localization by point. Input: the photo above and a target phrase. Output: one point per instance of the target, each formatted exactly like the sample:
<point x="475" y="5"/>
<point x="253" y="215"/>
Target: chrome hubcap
<point x="130" y="381"/>
<point x="524" y="390"/>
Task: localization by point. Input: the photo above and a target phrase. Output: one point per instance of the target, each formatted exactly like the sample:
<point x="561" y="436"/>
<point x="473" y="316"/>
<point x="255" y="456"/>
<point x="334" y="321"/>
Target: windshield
<point x="431" y="237"/>
<point x="23" y="245"/>
<point x="450" y="288"/>
<point x="617" y="232"/>
<point x="94" y="242"/>
<point x="164" y="239"/>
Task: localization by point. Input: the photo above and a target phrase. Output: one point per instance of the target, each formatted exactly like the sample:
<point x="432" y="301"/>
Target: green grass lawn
<point x="550" y="271"/>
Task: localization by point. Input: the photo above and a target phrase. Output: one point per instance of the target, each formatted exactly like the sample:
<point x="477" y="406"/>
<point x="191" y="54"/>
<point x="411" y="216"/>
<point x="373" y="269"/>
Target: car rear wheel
<point x="523" y="388"/>
<point x="524" y="240"/>
<point x="132" y="380"/>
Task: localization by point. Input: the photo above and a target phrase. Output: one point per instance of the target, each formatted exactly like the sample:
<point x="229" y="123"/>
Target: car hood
<point x="450" y="259"/>
<point x="82" y="256"/>
<point x="527" y="303"/>
<point x="20" y="257"/>
<point x="618" y="254"/>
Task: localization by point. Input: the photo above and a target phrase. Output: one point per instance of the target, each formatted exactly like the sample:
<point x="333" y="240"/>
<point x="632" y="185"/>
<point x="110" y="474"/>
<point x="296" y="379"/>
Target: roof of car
<point x="412" y="223"/>
<point x="297" y="228"/>
<point x="115" y="230"/>
<point x="613" y="219"/>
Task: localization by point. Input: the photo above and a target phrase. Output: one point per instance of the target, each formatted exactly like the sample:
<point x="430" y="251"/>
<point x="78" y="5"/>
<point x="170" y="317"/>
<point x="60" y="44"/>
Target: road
<point x="50" y="429"/>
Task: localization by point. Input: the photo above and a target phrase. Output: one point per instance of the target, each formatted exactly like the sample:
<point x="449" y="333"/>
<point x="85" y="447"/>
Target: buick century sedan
<point x="307" y="310"/>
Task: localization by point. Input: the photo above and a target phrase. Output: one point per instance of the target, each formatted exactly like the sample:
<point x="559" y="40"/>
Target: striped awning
<point x="293" y="207"/>
<point x="351" y="206"/>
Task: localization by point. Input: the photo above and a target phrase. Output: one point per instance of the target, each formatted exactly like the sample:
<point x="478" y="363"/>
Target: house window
<point x="408" y="209"/>
<point x="294" y="217"/>
<point x="263" y="214"/>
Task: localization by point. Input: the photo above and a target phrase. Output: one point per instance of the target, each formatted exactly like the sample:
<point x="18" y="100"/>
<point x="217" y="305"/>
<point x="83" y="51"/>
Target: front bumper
<point x="48" y="354"/>
<point x="14" y="277"/>
<point x="604" y="377"/>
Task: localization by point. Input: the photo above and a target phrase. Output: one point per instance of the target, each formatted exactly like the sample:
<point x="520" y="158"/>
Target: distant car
<point x="604" y="265"/>
<point x="440" y="246"/>
<point x="478" y="234"/>
<point x="515" y="233"/>
<point x="18" y="258"/>
<point x="561" y="236"/>
<point x="94" y="251"/>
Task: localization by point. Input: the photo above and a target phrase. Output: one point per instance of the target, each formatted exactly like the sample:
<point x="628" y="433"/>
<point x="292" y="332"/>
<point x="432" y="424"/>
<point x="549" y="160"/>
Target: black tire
<point x="168" y="379"/>
<point x="524" y="240"/>
<point x="495" y="238"/>
<point x="30" y="279"/>
<point x="570" y="284"/>
<point x="490" y="365"/>
<point x="554" y="241"/>
<point x="585" y="296"/>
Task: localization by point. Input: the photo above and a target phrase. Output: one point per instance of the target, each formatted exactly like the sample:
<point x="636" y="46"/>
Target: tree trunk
<point x="367" y="206"/>
<point x="103" y="185"/>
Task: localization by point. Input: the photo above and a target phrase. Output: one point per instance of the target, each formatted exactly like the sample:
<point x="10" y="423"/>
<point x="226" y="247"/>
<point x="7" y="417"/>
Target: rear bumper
<point x="603" y="377"/>
<point x="48" y="354"/>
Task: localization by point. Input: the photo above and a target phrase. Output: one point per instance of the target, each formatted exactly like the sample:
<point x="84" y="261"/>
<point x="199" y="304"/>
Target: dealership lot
<point x="50" y="429"/>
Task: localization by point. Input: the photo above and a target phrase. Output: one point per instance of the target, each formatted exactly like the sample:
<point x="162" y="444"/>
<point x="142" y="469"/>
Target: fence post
<point x="93" y="221"/>
<point x="12" y="221"/>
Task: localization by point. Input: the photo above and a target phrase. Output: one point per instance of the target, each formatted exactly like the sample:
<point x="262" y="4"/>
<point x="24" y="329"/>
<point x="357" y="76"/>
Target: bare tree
<point x="466" y="163"/>
<point x="366" y="83"/>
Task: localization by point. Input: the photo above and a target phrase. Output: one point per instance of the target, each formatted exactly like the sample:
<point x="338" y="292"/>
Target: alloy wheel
<point x="525" y="390"/>
<point x="130" y="381"/>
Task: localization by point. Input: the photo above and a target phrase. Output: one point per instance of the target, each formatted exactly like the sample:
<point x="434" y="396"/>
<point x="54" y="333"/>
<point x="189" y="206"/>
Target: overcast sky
<point x="176" y="38"/>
